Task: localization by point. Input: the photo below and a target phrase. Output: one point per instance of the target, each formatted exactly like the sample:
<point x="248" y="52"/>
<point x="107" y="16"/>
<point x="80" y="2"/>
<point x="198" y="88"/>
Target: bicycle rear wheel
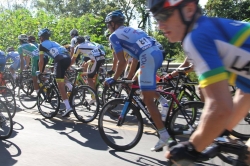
<point x="85" y="102"/>
<point x="181" y="127"/>
<point x="242" y="130"/>
<point x="6" y="124"/>
<point x="124" y="136"/>
<point x="48" y="101"/>
<point x="26" y="94"/>
<point x="8" y="97"/>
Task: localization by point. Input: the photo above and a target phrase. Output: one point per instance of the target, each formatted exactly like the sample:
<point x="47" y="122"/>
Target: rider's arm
<point x="27" y="59"/>
<point x="132" y="68"/>
<point x="41" y="61"/>
<point x="184" y="64"/>
<point x="114" y="61"/>
<point x="120" y="65"/>
<point x="20" y="51"/>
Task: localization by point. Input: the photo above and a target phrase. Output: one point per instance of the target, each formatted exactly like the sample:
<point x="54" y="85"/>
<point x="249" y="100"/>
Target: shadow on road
<point x="87" y="131"/>
<point x="8" y="150"/>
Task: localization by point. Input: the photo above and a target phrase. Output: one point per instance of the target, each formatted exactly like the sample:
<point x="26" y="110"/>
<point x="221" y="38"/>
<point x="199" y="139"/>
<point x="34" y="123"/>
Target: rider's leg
<point x="241" y="108"/>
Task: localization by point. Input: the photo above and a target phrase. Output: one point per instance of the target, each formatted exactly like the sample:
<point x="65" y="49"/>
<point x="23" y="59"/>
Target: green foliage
<point x="233" y="9"/>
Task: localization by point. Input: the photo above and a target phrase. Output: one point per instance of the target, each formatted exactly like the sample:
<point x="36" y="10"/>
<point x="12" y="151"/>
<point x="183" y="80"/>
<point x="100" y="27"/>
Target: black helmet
<point x="31" y="38"/>
<point x="80" y="39"/>
<point x="115" y="16"/>
<point x="9" y="49"/>
<point x="44" y="33"/>
<point x="73" y="32"/>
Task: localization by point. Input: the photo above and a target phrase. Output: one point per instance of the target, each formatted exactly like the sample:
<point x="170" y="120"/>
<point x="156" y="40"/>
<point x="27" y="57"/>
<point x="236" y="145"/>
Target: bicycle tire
<point x="8" y="97"/>
<point x="48" y="96"/>
<point x="107" y="124"/>
<point x="238" y="132"/>
<point x="5" y="117"/>
<point x="9" y="81"/>
<point x="178" y="124"/>
<point x="26" y="93"/>
<point x="80" y="100"/>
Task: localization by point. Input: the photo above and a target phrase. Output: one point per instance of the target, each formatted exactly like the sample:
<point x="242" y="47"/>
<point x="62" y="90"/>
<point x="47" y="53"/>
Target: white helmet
<point x="23" y="37"/>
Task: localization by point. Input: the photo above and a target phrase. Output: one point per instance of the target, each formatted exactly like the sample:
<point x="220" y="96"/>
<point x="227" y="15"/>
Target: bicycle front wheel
<point x="8" y="97"/>
<point x="48" y="101"/>
<point x="242" y="130"/>
<point x="85" y="103"/>
<point x="126" y="135"/>
<point x="6" y="124"/>
<point x="184" y="120"/>
<point x="26" y="94"/>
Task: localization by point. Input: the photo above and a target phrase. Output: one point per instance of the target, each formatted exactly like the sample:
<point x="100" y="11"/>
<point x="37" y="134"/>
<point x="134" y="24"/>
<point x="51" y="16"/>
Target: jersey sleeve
<point x="201" y="50"/>
<point x="76" y="51"/>
<point x="20" y="50"/>
<point x="115" y="42"/>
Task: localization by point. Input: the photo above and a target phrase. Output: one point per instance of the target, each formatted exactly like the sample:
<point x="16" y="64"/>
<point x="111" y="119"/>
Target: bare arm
<point x="184" y="64"/>
<point x="132" y="69"/>
<point x="120" y="65"/>
<point x="114" y="62"/>
<point x="41" y="61"/>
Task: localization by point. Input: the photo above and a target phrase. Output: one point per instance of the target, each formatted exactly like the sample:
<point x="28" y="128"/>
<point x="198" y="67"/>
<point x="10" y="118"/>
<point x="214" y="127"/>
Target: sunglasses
<point x="164" y="15"/>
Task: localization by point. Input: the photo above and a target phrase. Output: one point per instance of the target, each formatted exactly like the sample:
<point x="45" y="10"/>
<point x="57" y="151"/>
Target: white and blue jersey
<point x="220" y="50"/>
<point x="141" y="47"/>
<point x="15" y="57"/>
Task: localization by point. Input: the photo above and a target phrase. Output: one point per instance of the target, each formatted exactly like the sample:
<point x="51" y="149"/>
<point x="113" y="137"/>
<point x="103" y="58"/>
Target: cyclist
<point x="219" y="50"/>
<point x="141" y="47"/>
<point x="2" y="65"/>
<point x="73" y="34"/>
<point x="15" y="57"/>
<point x="96" y="56"/>
<point x="32" y="39"/>
<point x="61" y="59"/>
<point x="29" y="49"/>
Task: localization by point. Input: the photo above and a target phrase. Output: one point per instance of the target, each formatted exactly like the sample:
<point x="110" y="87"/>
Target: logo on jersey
<point x="244" y="67"/>
<point x="127" y="30"/>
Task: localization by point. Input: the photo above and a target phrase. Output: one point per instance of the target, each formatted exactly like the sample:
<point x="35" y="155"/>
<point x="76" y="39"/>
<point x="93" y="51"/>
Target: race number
<point x="143" y="43"/>
<point x="54" y="52"/>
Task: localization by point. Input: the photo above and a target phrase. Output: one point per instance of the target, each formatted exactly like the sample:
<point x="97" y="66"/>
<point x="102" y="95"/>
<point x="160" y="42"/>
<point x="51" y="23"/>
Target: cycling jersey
<point x="100" y="46"/>
<point x="73" y="41"/>
<point x="90" y="50"/>
<point x="133" y="41"/>
<point x="28" y="49"/>
<point x="219" y="49"/>
<point x="2" y="61"/>
<point x="15" y="57"/>
<point x="59" y="54"/>
<point x="141" y="47"/>
<point x="53" y="50"/>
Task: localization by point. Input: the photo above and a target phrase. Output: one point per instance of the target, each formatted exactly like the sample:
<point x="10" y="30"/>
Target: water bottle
<point x="164" y="111"/>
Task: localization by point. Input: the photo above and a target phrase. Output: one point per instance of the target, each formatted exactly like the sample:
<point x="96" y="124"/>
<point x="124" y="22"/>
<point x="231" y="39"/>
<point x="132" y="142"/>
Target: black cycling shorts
<point x="61" y="66"/>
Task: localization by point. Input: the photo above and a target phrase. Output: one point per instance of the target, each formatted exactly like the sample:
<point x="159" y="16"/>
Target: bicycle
<point x="8" y="97"/>
<point x="6" y="124"/>
<point x="221" y="145"/>
<point x="26" y="92"/>
<point x="48" y="100"/>
<point x="129" y="110"/>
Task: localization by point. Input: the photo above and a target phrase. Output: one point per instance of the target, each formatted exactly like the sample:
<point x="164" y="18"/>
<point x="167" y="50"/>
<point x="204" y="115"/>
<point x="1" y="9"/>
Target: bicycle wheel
<point x="117" y="91"/>
<point x="126" y="135"/>
<point x="9" y="81"/>
<point x="85" y="102"/>
<point x="180" y="126"/>
<point x="26" y="94"/>
<point x="242" y="130"/>
<point x="6" y="124"/>
<point x="8" y="97"/>
<point x="48" y="101"/>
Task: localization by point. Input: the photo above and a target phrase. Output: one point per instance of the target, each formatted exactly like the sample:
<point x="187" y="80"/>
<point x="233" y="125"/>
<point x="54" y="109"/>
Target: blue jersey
<point x="53" y="50"/>
<point x="14" y="56"/>
<point x="220" y="50"/>
<point x="133" y="41"/>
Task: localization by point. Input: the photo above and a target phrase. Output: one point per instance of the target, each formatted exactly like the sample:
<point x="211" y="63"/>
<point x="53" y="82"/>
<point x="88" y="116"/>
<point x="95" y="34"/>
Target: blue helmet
<point x="44" y="32"/>
<point x="115" y="16"/>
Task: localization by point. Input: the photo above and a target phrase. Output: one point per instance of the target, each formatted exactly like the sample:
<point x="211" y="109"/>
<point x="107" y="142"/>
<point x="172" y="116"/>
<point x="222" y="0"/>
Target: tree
<point x="233" y="9"/>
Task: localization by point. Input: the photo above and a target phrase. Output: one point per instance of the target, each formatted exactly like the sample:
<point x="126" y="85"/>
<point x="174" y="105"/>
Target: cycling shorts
<point x="150" y="61"/>
<point x="86" y="59"/>
<point x="61" y="66"/>
<point x="96" y="66"/>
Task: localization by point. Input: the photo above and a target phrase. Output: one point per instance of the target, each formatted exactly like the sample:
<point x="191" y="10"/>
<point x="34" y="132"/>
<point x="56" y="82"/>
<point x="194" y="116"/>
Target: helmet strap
<point x="187" y="23"/>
